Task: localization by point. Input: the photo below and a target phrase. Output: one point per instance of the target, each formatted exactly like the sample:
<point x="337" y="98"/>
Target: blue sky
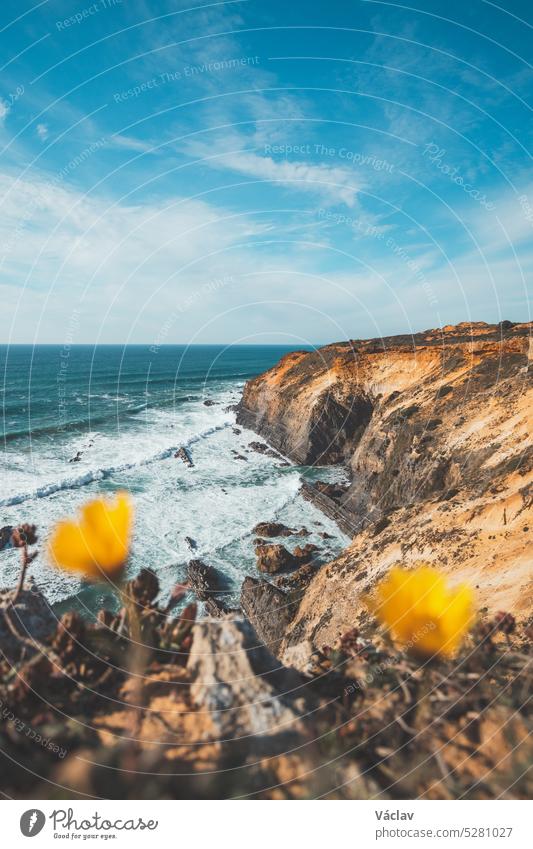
<point x="262" y="171"/>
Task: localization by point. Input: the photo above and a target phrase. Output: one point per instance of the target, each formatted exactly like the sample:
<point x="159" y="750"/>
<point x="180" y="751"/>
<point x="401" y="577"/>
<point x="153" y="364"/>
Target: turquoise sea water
<point x="80" y="421"/>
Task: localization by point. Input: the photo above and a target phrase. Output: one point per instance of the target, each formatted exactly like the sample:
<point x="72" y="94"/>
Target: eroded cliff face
<point x="436" y="432"/>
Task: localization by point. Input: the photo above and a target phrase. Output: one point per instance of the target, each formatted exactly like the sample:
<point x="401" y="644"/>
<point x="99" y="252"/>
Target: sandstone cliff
<point x="435" y="430"/>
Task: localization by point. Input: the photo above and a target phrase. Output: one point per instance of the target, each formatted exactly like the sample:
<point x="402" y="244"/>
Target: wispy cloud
<point x="131" y="143"/>
<point x="337" y="185"/>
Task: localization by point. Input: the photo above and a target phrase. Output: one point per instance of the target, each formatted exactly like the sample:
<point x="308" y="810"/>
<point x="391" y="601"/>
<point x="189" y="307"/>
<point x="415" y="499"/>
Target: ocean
<point x="83" y="421"/>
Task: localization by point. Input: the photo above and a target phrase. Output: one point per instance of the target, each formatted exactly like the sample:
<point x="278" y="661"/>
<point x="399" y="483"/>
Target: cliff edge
<point x="435" y="430"/>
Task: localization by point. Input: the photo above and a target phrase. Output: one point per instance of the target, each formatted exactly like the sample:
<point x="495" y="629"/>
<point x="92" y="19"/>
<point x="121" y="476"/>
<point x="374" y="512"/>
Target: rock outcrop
<point x="435" y="432"/>
<point x="273" y="557"/>
<point x="272" y="529"/>
<point x="5" y="537"/>
<point x="269" y="610"/>
<point x="184" y="455"/>
<point x="205" y="580"/>
<point x="254" y="703"/>
<point x="261" y="448"/>
<point x="216" y="608"/>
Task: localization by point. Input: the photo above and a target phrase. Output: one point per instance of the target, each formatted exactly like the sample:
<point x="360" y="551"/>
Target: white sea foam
<point x="217" y="502"/>
<point x="93" y="475"/>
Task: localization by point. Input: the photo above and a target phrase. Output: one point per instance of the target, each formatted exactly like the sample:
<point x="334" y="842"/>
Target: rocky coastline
<point x="435" y="433"/>
<point x="299" y="694"/>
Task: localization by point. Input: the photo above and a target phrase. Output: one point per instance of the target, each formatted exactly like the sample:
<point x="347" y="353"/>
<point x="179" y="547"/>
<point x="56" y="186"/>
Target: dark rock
<point x="269" y="610"/>
<point x="203" y="579"/>
<point x="5" y="537"/>
<point x="444" y="390"/>
<point x="272" y="529"/>
<point x="76" y="458"/>
<point x="260" y="447"/>
<point x="305" y="554"/>
<point x="346" y="419"/>
<point x="210" y="403"/>
<point x="231" y="408"/>
<point x="237" y="431"/>
<point x="331" y="490"/>
<point x="191" y="543"/>
<point x="263" y="448"/>
<point x="325" y="535"/>
<point x="183" y="454"/>
<point x="273" y="558"/>
<point x="381" y="525"/>
<point x="216" y="608"/>
<point x="332" y="507"/>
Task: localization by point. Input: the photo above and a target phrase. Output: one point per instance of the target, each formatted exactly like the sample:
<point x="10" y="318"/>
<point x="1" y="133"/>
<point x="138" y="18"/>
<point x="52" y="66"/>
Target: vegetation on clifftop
<point x="147" y="703"/>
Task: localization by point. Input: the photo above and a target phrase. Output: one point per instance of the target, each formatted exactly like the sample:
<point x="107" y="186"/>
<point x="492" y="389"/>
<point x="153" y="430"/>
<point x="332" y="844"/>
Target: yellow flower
<point x="421" y="612"/>
<point x="98" y="544"/>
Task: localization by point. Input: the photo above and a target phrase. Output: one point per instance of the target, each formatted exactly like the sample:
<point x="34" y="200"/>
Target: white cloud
<point x="337" y="185"/>
<point x="129" y="268"/>
<point x="509" y="225"/>
<point x="140" y="262"/>
<point x="42" y="131"/>
<point x="4" y="109"/>
<point x="130" y="143"/>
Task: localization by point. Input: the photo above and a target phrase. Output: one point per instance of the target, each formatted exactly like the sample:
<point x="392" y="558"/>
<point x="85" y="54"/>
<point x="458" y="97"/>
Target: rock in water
<point x="204" y="579"/>
<point x="263" y="448"/>
<point x="272" y="558"/>
<point x="5" y="537"/>
<point x="272" y="529"/>
<point x="183" y="454"/>
<point x="306" y="553"/>
<point x="191" y="543"/>
<point x="269" y="610"/>
<point x="217" y="609"/>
